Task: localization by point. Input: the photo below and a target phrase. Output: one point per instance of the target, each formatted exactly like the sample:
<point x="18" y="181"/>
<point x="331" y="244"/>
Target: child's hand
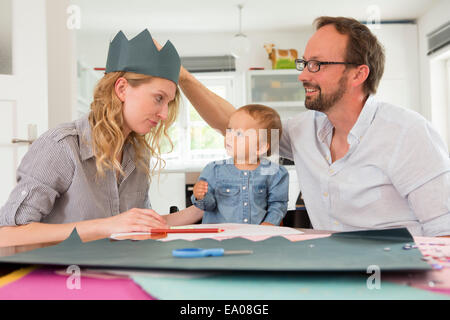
<point x="200" y="189"/>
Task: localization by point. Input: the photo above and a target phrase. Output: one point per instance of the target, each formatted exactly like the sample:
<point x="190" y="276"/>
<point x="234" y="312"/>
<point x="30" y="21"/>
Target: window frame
<point x="183" y="156"/>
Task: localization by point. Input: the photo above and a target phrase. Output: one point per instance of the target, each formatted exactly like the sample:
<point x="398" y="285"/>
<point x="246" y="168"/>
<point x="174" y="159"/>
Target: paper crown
<point x="140" y="55"/>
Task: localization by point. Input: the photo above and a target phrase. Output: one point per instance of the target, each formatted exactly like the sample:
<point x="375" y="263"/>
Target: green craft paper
<point x="278" y="286"/>
<point x="350" y="251"/>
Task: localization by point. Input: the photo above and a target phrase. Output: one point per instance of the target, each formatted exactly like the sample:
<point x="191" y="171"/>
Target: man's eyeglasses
<point x="314" y="65"/>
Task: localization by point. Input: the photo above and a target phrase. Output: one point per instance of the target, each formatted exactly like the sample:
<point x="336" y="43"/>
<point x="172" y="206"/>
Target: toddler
<point x="246" y="188"/>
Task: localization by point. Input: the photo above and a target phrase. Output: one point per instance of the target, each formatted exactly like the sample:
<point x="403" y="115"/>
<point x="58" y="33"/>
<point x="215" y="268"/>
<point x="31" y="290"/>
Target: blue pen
<point x="201" y="253"/>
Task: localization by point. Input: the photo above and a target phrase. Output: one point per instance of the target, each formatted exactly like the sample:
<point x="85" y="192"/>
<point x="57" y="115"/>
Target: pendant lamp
<point x="239" y="44"/>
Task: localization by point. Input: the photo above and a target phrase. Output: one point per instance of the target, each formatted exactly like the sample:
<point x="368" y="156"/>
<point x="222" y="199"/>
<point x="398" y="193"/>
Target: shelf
<point x="282" y="104"/>
<point x="272" y="72"/>
<point x="275" y="88"/>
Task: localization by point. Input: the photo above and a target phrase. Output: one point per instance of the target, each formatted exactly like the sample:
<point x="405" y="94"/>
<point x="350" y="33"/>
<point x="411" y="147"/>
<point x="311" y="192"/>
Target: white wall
<point x="434" y="18"/>
<point x="23" y="94"/>
<point x="30" y="64"/>
<point x="92" y="49"/>
<point x="400" y="83"/>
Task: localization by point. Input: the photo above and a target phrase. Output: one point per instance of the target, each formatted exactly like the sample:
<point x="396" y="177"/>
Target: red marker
<point x="194" y="230"/>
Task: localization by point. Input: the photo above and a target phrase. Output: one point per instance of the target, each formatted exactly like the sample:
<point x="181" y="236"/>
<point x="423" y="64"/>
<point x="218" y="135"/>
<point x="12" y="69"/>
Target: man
<point x="361" y="163"/>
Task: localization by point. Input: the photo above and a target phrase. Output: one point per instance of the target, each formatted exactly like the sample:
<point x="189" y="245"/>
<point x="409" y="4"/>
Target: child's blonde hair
<point x="268" y="118"/>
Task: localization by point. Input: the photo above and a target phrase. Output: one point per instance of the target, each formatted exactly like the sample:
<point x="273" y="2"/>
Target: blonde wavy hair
<point x="106" y="120"/>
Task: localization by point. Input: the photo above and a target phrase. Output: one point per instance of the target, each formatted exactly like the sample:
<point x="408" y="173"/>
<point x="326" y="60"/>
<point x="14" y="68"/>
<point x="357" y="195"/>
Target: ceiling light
<point x="239" y="44"/>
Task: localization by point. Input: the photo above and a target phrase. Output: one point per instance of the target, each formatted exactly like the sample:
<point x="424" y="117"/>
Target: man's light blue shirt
<point x="244" y="196"/>
<point x="396" y="172"/>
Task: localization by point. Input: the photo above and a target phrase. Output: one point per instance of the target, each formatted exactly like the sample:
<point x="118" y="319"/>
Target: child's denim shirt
<point x="244" y="196"/>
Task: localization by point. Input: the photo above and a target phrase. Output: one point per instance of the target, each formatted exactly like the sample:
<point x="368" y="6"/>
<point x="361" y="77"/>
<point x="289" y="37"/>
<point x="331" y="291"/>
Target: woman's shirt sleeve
<point x="44" y="173"/>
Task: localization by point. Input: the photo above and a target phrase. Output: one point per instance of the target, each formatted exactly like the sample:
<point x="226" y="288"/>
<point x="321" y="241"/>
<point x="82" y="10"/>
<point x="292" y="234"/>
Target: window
<point x="448" y="98"/>
<point x="439" y="88"/>
<point x="194" y="140"/>
<point x="87" y="79"/>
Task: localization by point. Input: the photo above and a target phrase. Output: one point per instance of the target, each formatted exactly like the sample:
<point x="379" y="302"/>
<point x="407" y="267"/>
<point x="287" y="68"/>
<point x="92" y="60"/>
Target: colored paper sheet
<point x="45" y="284"/>
<point x="232" y="230"/>
<point x="15" y="275"/>
<point x="437" y="253"/>
<point x="349" y="251"/>
<point x="277" y="286"/>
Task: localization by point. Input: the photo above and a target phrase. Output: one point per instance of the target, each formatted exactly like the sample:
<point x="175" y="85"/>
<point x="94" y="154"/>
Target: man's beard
<point x="324" y="102"/>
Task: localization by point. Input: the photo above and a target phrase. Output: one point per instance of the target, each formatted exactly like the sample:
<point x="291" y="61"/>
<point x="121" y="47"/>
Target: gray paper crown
<point x="140" y="55"/>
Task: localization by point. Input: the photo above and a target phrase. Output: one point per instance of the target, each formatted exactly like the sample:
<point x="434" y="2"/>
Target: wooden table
<point x="9" y="251"/>
<point x="8" y="268"/>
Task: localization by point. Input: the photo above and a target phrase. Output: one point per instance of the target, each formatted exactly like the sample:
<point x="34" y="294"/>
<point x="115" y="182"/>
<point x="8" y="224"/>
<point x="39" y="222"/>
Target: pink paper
<point x="291" y="237"/>
<point x="303" y="237"/>
<point x="433" y="280"/>
<point x="44" y="284"/>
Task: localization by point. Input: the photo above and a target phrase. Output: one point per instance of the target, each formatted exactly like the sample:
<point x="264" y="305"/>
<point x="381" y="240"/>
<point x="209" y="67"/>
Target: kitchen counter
<point x="178" y="167"/>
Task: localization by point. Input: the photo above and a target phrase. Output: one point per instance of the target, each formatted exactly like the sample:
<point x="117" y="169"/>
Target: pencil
<point x="187" y="230"/>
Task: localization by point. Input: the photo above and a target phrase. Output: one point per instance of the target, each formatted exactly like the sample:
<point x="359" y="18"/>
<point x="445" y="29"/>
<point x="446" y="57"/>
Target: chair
<point x="297" y="218"/>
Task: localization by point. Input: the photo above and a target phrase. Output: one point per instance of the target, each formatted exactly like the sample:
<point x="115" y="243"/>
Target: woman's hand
<point x="134" y="220"/>
<point x="200" y="189"/>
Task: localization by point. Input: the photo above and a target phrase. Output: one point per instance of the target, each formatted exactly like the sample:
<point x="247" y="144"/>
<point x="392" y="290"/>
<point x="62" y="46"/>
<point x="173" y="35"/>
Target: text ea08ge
<point x="247" y="309"/>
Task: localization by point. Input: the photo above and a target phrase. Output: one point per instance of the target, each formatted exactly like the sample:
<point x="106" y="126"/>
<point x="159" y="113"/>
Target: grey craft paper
<point x="140" y="55"/>
<point x="349" y="251"/>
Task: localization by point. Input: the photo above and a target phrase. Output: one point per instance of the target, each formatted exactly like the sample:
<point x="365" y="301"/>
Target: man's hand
<point x="158" y="46"/>
<point x="200" y="189"/>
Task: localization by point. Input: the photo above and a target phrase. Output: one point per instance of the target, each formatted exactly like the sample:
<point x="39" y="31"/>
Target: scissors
<point x="201" y="253"/>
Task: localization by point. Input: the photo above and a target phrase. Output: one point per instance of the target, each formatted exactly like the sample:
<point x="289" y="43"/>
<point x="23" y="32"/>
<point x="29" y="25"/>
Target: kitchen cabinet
<point x="278" y="89"/>
<point x="294" y="187"/>
<point x="400" y="82"/>
<point x="168" y="191"/>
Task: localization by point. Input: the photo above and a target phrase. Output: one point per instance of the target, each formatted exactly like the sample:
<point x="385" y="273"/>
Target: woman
<point x="93" y="173"/>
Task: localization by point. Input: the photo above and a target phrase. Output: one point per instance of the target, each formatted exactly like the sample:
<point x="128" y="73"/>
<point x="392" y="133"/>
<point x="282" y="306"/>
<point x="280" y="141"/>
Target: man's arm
<point x="215" y="110"/>
<point x="431" y="205"/>
<point x="419" y="169"/>
<point x="437" y="227"/>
